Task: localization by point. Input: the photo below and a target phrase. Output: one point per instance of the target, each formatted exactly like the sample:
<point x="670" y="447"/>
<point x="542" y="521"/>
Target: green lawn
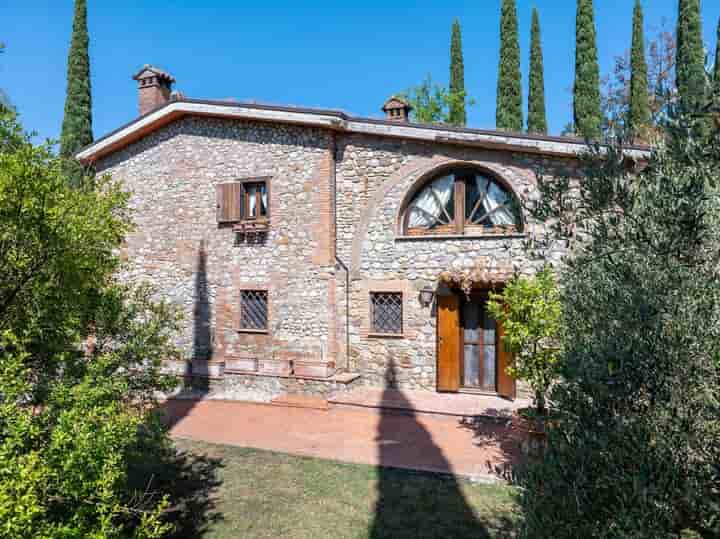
<point x="260" y="494"/>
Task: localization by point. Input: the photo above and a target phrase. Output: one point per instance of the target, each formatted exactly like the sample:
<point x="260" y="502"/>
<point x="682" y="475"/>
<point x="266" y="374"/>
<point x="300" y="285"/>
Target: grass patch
<point x="262" y="494"/>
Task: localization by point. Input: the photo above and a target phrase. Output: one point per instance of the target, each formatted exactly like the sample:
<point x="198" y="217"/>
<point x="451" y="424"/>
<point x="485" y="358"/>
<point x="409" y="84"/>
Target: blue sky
<point x="346" y="55"/>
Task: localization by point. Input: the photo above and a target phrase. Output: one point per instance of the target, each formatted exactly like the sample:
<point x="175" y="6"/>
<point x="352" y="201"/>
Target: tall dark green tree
<point x="457" y="114"/>
<point x="536" y="121"/>
<point x="639" y="107"/>
<point x="77" y="122"/>
<point x="690" y="63"/>
<point x="4" y="100"/>
<point x="716" y="74"/>
<point x="508" y="115"/>
<point x="586" y="90"/>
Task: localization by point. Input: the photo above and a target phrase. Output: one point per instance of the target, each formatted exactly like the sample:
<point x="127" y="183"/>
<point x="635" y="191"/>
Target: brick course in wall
<point x="334" y="237"/>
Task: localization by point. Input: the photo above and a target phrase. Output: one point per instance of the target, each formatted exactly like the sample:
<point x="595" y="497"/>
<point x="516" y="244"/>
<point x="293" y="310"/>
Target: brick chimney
<point x="154" y="88"/>
<point x="397" y="109"/>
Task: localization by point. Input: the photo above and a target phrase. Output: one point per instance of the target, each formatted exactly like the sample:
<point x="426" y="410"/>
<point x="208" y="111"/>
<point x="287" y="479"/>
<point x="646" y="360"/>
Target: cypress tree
<point x="508" y="114"/>
<point x="716" y="74"/>
<point x="586" y="90"/>
<point x="690" y="59"/>
<point x="536" y="120"/>
<point x="457" y="115"/>
<point x="639" y="108"/>
<point x="77" y="122"/>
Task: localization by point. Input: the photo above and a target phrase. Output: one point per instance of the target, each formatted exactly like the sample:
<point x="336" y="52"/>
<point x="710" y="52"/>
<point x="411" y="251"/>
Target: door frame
<point x="447" y="368"/>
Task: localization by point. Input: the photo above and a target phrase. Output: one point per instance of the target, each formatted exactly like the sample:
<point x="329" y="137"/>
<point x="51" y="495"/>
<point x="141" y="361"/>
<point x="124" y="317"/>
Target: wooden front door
<point x="470" y="351"/>
<point x="448" y="343"/>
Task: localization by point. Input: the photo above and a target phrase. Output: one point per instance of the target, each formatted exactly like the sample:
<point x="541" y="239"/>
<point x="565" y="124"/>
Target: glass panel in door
<point x="479" y="360"/>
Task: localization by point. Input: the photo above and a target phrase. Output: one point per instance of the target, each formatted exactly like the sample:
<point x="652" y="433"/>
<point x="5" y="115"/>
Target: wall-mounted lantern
<point x="426" y="296"/>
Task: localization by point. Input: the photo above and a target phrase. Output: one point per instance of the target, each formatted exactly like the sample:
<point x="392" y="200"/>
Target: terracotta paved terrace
<point x="460" y="444"/>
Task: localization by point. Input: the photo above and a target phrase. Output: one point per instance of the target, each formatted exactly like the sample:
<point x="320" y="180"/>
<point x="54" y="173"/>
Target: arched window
<point x="462" y="202"/>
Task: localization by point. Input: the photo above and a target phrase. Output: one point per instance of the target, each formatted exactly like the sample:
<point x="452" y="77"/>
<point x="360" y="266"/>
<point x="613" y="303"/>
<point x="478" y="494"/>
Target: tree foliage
<point x="690" y="64"/>
<point x="77" y="121"/>
<point x="432" y="103"/>
<point x="508" y="114"/>
<point x="536" y="121"/>
<point x="639" y="107"/>
<point x="5" y="104"/>
<point x="661" y="89"/>
<point x="636" y="449"/>
<point x="716" y="71"/>
<point x="75" y="419"/>
<point x="586" y="90"/>
<point x="530" y="313"/>
<point x="456" y="113"/>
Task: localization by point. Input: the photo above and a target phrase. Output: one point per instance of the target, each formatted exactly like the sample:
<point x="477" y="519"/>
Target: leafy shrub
<point x="72" y="416"/>
<point x="530" y="313"/>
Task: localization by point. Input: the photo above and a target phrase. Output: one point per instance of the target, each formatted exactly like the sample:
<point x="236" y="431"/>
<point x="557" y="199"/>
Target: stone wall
<point x="374" y="177"/>
<point x="322" y="185"/>
<point x="198" y="265"/>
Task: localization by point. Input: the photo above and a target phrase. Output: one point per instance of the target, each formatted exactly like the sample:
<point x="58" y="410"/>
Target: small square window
<point x="255" y="200"/>
<point x="387" y="312"/>
<point x="254" y="310"/>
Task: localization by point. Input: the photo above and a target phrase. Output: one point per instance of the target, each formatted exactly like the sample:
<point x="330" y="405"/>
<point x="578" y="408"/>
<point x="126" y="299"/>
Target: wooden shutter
<point x="448" y="345"/>
<point x="229" y="198"/>
<point x="505" y="382"/>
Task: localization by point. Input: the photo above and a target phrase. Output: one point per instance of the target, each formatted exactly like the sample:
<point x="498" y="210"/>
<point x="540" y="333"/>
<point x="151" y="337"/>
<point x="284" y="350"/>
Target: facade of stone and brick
<point x="338" y="187"/>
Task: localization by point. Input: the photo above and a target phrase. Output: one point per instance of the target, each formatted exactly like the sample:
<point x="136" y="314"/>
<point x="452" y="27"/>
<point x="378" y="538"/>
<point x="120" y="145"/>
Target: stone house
<point x="306" y="247"/>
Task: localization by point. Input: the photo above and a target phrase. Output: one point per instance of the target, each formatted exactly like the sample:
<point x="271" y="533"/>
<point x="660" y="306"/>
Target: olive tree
<point x="635" y="451"/>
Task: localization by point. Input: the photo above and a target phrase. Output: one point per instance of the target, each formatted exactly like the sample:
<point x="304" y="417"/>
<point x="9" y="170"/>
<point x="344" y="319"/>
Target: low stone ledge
<point x="208" y="369"/>
<point x="241" y="364"/>
<point x="314" y="369"/>
<point x="275" y="367"/>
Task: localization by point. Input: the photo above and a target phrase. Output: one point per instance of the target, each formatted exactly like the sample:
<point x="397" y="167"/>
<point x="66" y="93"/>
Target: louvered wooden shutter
<point x="229" y="202"/>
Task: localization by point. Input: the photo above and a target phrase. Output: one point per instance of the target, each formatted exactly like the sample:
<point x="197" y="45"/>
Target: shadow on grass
<point x="421" y="505"/>
<point x="191" y="481"/>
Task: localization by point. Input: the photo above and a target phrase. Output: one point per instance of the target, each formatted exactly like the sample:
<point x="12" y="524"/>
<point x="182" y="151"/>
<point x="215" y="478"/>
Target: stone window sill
<point x="253" y="331"/>
<point x="386" y="335"/>
<point x="435" y="237"/>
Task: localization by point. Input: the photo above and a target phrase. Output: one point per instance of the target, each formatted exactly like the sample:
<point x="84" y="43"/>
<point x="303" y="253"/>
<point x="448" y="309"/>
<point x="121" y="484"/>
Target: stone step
<point x="428" y="403"/>
<point x="298" y="400"/>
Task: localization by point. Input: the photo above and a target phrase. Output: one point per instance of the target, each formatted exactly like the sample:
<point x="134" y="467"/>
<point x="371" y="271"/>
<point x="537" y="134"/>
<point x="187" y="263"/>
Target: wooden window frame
<point x="373" y="332"/>
<point x="460" y="221"/>
<point x="240" y="327"/>
<point x="245" y="201"/>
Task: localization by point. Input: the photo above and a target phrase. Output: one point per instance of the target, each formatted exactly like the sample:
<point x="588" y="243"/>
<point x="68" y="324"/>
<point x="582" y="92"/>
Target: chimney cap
<point x="152" y="71"/>
<point x="396" y="109"/>
<point x="395" y="102"/>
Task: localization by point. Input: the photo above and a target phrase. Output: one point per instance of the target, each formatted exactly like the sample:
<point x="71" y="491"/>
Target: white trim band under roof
<point x="338" y="121"/>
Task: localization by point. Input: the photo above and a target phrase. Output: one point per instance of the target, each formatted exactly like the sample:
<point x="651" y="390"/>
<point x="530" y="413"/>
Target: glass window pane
<point x="472" y="195"/>
<point x="251" y="193"/>
<point x="471" y="370"/>
<point x="263" y="199"/>
<point x="387" y="312"/>
<point x="253" y="309"/>
<point x="426" y="210"/>
<point x="471" y="321"/>
<point x="503" y="216"/>
<point x="488" y="382"/>
<point x="475" y="191"/>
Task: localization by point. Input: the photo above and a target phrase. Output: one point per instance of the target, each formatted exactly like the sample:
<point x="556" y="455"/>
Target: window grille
<point x="387" y="312"/>
<point x="254" y="309"/>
